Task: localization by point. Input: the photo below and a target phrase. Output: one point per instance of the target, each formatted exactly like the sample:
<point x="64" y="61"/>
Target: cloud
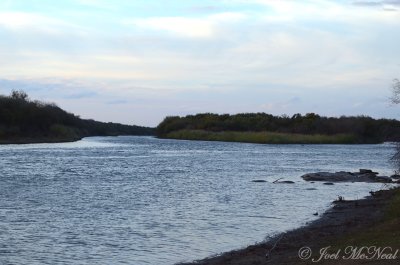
<point x="187" y="26"/>
<point x="377" y="3"/>
<point x="56" y="88"/>
<point x="106" y="5"/>
<point x="368" y="3"/>
<point x="17" y="20"/>
<point x="117" y="102"/>
<point x="393" y="5"/>
<point x="205" y="9"/>
<point x="37" y="23"/>
<point x="173" y="60"/>
<point x="79" y="95"/>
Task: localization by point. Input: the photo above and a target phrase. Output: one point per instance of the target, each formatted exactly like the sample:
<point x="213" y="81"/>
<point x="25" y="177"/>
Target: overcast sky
<point x="137" y="61"/>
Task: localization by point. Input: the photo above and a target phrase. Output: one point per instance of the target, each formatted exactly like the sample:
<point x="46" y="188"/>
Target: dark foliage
<point x="396" y="159"/>
<point x="22" y="118"/>
<point x="366" y="129"/>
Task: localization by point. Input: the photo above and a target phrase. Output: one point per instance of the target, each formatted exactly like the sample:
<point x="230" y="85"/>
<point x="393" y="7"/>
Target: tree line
<point x="22" y="118"/>
<point x="366" y="129"/>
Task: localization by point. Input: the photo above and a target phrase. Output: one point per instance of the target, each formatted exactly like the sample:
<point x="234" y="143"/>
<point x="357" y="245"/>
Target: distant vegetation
<point x="23" y="120"/>
<point x="262" y="137"/>
<point x="266" y="128"/>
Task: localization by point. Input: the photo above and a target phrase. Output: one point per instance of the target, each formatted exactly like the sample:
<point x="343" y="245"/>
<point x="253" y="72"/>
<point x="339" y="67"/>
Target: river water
<point x="142" y="200"/>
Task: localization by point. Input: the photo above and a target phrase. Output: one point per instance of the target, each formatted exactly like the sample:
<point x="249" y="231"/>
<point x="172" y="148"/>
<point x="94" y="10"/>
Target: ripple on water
<point x="141" y="200"/>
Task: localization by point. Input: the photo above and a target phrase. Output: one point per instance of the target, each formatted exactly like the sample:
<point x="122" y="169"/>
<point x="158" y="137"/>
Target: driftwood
<point x="268" y="255"/>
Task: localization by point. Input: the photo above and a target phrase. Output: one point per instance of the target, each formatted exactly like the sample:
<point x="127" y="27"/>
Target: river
<point x="143" y="200"/>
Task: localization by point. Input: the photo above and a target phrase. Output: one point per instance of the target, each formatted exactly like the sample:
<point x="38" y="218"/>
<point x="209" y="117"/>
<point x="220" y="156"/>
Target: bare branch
<point x="395" y="98"/>
<point x="20" y="95"/>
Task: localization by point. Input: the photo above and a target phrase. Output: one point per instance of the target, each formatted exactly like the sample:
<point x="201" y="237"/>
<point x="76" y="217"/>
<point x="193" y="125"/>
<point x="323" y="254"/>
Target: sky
<point x="138" y="61"/>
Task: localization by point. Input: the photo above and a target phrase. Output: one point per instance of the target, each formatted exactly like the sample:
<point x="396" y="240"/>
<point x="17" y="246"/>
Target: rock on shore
<point x="364" y="175"/>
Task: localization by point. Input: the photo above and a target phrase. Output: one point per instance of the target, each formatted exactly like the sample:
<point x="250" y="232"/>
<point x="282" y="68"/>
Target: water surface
<point x="141" y="200"/>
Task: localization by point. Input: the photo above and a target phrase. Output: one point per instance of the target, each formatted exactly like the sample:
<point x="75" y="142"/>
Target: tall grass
<point x="262" y="137"/>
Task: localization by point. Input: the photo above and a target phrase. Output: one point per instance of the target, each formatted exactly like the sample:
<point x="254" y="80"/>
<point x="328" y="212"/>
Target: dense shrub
<point x="364" y="128"/>
<point x="21" y="117"/>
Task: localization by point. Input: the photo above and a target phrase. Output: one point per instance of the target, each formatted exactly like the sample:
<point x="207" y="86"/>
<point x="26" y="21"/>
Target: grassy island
<point x="262" y="137"/>
<point x="268" y="129"/>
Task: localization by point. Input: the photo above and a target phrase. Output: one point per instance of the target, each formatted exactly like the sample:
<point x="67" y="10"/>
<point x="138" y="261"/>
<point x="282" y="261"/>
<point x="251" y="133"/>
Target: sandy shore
<point x="339" y="227"/>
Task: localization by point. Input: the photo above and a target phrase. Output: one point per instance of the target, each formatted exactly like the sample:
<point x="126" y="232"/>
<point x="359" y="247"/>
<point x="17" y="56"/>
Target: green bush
<point x="262" y="137"/>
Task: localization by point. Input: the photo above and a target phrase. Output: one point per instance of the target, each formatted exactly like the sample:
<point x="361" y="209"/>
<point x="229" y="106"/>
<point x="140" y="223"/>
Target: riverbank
<point x="24" y="121"/>
<point x="263" y="137"/>
<point x="43" y="140"/>
<point x="373" y="221"/>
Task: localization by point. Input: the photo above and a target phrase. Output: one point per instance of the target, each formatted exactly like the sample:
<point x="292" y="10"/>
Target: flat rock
<point x="258" y="180"/>
<point x="385" y="179"/>
<point x="327" y="176"/>
<point x="329" y="183"/>
<point x="363" y="171"/>
<point x="285" y="182"/>
<point x="365" y="175"/>
<point x="395" y="176"/>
